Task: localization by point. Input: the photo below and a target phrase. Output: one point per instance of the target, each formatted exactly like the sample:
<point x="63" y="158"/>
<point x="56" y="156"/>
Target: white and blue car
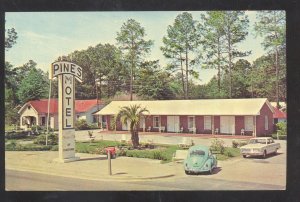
<point x="199" y="160"/>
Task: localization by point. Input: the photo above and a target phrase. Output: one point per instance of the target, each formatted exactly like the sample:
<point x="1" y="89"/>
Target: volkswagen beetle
<point x="199" y="159"/>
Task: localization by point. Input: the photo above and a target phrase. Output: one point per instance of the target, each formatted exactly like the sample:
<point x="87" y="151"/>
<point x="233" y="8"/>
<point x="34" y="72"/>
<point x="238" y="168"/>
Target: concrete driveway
<point x="271" y="170"/>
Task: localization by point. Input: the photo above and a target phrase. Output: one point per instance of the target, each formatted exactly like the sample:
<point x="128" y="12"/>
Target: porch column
<point x="212" y="125"/>
<point x="254" y="130"/>
<point x="159" y="118"/>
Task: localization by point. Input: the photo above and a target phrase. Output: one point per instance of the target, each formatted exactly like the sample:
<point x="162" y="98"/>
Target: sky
<point x="44" y="36"/>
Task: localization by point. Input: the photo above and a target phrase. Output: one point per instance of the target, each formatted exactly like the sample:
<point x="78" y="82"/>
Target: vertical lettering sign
<point x="66" y="73"/>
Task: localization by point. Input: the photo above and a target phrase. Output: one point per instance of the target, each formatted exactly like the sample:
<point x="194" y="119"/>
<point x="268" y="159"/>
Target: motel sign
<point x="66" y="73"/>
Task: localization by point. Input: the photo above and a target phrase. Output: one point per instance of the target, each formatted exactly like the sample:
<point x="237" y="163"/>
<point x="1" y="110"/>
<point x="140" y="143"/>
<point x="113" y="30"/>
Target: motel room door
<point x="227" y="124"/>
<point x="172" y="123"/>
<point x="126" y="126"/>
<point x="142" y="123"/>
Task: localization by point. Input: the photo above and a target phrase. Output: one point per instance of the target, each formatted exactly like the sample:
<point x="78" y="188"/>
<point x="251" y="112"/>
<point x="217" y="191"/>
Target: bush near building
<point x="282" y="128"/>
<point x="82" y="124"/>
<point x="16" y="135"/>
<point x="52" y="139"/>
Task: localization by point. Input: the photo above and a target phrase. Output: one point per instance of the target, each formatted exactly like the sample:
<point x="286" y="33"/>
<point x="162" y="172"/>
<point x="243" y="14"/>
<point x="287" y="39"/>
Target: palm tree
<point x="132" y="114"/>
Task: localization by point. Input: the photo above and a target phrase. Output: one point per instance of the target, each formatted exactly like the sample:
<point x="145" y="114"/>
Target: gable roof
<point x="278" y="114"/>
<point x="85" y="105"/>
<point x="41" y="106"/>
<point x="251" y="106"/>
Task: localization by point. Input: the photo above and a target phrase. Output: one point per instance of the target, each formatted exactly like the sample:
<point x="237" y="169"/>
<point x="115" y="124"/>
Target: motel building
<point x="253" y="116"/>
<point x="35" y="112"/>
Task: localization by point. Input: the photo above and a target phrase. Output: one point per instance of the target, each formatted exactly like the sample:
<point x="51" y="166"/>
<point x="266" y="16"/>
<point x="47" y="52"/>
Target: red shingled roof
<point x="41" y="106"/>
<point x="84" y="105"/>
<point x="279" y="114"/>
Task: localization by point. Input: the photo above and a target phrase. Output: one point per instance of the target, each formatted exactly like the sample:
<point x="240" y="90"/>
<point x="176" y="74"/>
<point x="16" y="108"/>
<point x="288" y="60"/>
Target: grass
<point x="94" y="147"/>
<point x="9" y="127"/>
<point x="228" y="153"/>
<point x="161" y="151"/>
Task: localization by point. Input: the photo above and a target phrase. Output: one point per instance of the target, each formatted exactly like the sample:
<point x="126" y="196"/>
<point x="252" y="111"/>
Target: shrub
<point x="281" y="128"/>
<point x="159" y="154"/>
<point x="280" y="137"/>
<point x="52" y="139"/>
<point x="217" y="146"/>
<point x="228" y="153"/>
<point x="242" y="144"/>
<point x="36" y="128"/>
<point x="121" y="152"/>
<point x="16" y="134"/>
<point x="235" y="144"/>
<point x="81" y="124"/>
<point x="54" y="148"/>
<point x="11" y="146"/>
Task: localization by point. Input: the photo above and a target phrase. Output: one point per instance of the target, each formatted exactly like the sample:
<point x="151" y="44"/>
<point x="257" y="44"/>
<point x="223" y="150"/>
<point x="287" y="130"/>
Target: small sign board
<point x="63" y="67"/>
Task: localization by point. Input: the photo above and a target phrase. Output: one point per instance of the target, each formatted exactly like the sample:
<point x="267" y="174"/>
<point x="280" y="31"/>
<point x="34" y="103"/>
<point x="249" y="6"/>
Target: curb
<point x="106" y="178"/>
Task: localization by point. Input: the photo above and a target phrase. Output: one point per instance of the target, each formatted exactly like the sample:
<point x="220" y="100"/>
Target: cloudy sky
<point x="44" y="36"/>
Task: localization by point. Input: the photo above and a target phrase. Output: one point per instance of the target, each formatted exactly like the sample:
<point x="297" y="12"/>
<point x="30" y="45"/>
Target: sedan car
<point x="261" y="146"/>
<point x="199" y="159"/>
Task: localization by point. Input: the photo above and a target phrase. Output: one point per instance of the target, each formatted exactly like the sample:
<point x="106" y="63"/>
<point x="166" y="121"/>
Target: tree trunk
<point x="182" y="75"/>
<point x="229" y="65"/>
<point x="134" y="138"/>
<point x="277" y="77"/>
<point x="186" y="74"/>
<point x="131" y="80"/>
<point x="219" y="67"/>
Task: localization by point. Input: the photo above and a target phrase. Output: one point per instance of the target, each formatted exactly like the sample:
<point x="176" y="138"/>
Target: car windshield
<point x="197" y="153"/>
<point x="257" y="141"/>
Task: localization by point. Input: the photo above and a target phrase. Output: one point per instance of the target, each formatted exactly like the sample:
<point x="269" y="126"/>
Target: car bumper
<point x="197" y="170"/>
<point x="252" y="153"/>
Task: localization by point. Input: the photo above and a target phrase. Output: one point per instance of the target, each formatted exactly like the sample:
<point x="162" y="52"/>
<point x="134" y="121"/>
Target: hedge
<point x="52" y="139"/>
<point x="16" y="134"/>
<point x="13" y="146"/>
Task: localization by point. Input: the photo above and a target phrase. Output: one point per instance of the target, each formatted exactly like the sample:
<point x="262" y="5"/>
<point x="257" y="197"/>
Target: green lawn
<point x="9" y="127"/>
<point x="229" y="153"/>
<point x="161" y="152"/>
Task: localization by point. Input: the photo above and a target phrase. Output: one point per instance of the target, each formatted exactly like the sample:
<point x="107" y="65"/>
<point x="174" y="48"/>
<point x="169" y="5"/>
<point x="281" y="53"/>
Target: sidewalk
<point x="161" y="138"/>
<point x="90" y="166"/>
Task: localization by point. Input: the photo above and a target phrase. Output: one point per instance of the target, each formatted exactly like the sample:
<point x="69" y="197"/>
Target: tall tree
<point x="271" y="26"/>
<point x="181" y="40"/>
<point x="153" y="83"/>
<point x="11" y="84"/>
<point x="33" y="86"/>
<point x="131" y="41"/>
<point x="235" y="27"/>
<point x="132" y="114"/>
<point x="83" y="58"/>
<point x="241" y="79"/>
<point x="213" y="41"/>
<point x="10" y="38"/>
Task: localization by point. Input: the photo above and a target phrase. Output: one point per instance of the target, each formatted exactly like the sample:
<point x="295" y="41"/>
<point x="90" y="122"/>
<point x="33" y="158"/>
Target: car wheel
<point x="113" y="156"/>
<point x="211" y="171"/>
<point x="244" y="156"/>
<point x="265" y="154"/>
<point x="187" y="172"/>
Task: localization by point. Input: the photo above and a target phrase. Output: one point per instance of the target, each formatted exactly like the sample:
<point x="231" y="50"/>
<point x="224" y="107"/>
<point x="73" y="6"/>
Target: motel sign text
<point x="66" y="73"/>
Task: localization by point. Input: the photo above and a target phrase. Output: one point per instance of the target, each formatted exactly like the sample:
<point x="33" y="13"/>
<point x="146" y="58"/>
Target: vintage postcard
<point x="145" y="101"/>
